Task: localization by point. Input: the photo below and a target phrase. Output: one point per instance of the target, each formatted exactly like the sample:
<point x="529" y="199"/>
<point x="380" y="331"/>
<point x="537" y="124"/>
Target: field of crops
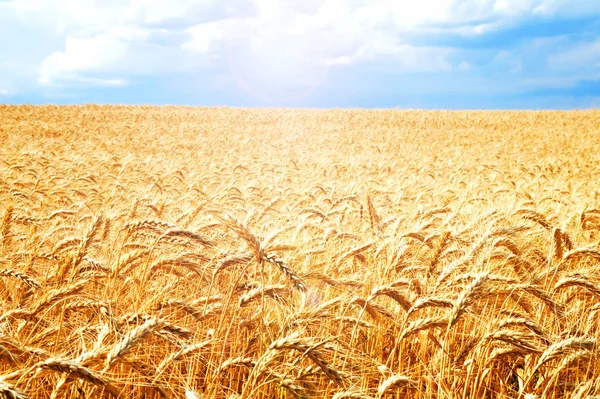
<point x="235" y="253"/>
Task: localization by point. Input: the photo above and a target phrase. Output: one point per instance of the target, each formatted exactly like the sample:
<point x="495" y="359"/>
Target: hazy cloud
<point x="284" y="48"/>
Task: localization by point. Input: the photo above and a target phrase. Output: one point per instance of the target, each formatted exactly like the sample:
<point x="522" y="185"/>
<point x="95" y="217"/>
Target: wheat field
<point x="151" y="252"/>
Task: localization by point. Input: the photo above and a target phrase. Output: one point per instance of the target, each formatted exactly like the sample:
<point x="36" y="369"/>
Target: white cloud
<point x="4" y="92"/>
<point x="334" y="33"/>
<point x="84" y="81"/>
<point x="276" y="43"/>
<point x="207" y="36"/>
<point x="120" y="52"/>
<point x="566" y="8"/>
<point x="101" y="35"/>
<point x="93" y="15"/>
<point x="285" y="48"/>
<point x="90" y="55"/>
<point x="343" y="32"/>
<point x="585" y="56"/>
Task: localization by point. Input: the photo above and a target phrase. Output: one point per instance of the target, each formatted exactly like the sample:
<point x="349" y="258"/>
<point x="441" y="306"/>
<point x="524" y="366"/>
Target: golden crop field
<point x="152" y="252"/>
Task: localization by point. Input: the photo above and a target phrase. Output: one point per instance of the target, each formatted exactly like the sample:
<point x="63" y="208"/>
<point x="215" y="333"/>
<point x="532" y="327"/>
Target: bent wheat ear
<point x="563" y="347"/>
<point x="238" y="361"/>
<point x="245" y="234"/>
<point x="578" y="281"/>
<point x="10" y="392"/>
<point x="288" y="271"/>
<point x="56" y="295"/>
<point x="182" y="352"/>
<point x="561" y="350"/>
<point x="427" y="302"/>
<point x="424" y="324"/>
<point x="189" y="235"/>
<point x="373" y="217"/>
<point x="131" y="339"/>
<point x="5" y="229"/>
<point x="393" y="382"/>
<point x="79" y="371"/>
<point x="534" y="216"/>
<point x="472" y="292"/>
<point x="393" y="293"/>
<point x="576" y="254"/>
<point x="272" y="291"/>
<point x="21" y="276"/>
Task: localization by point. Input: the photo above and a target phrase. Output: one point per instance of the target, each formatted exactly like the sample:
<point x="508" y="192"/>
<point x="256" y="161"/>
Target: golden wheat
<point x="151" y="252"/>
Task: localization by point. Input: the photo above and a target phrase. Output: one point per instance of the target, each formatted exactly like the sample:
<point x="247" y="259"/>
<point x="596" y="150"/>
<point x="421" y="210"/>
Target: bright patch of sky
<point x="308" y="53"/>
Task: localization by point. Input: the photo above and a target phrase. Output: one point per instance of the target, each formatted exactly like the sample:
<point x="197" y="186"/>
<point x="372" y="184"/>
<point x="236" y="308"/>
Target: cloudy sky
<point x="307" y="53"/>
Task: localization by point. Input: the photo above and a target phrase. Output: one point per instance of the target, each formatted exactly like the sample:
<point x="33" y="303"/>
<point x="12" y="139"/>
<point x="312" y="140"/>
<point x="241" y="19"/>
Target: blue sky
<point x="303" y="53"/>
